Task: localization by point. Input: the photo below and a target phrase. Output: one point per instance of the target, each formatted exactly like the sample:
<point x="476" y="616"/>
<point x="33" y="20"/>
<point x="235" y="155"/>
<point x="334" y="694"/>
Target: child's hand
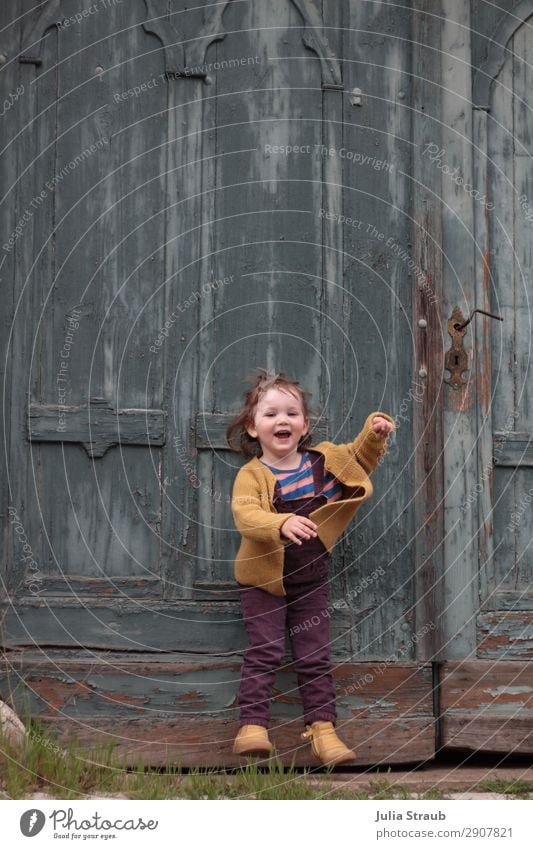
<point x="382" y="426"/>
<point x="298" y="526"/>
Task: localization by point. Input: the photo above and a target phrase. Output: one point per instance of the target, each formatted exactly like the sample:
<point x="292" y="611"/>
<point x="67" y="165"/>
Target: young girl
<point x="290" y="504"/>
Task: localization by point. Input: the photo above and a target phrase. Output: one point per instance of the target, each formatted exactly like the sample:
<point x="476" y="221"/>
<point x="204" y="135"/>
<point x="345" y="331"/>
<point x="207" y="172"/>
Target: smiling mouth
<point x="282" y="434"/>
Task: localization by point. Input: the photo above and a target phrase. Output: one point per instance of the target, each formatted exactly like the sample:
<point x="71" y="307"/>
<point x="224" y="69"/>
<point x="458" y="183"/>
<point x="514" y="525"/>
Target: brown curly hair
<point x="261" y="381"/>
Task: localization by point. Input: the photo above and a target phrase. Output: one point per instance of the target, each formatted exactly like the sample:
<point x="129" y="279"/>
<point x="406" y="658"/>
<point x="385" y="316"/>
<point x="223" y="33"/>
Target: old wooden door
<point x="190" y="194"/>
<point x="487" y="683"/>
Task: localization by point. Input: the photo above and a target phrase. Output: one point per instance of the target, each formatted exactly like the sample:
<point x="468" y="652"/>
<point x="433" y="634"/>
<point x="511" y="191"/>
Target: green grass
<point x="519" y="789"/>
<point x="44" y="764"/>
<point x="72" y="772"/>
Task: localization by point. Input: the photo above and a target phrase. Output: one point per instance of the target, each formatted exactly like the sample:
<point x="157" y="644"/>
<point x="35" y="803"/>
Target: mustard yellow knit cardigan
<point x="259" y="560"/>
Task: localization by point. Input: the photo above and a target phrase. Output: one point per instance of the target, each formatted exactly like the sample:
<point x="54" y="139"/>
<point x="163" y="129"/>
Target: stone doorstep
<point x="454" y="782"/>
<point x="43" y="795"/>
<point x="458" y="780"/>
<point x="463" y="796"/>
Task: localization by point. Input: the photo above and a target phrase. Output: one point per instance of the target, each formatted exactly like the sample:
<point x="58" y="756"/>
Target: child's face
<point x="279" y="411"/>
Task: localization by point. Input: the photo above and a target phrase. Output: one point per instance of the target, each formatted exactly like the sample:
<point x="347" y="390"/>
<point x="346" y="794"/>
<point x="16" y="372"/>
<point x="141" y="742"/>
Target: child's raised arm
<point x="370" y="445"/>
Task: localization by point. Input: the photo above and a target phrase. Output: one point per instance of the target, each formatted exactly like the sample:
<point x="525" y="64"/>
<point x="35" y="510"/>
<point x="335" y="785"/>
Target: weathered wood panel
<point x="509" y="600"/>
<point x="518" y="516"/>
<point x="506" y="634"/>
<point x="182" y="709"/>
<point x="208" y="743"/>
<point x="96" y="426"/>
<point x="150" y="624"/>
<point x="328" y="190"/>
<point x="189" y="167"/>
<point x="478" y="498"/>
<point x="13" y="93"/>
<point x="512" y="449"/>
<point x="372" y="161"/>
<point x="504" y="136"/>
<point x="24" y="268"/>
<point x="87" y="589"/>
<point x="487" y="706"/>
<point x="461" y="406"/>
<point x="84" y="326"/>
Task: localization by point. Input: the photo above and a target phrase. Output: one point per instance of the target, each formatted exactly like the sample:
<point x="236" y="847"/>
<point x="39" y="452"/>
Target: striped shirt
<point x="299" y="483"/>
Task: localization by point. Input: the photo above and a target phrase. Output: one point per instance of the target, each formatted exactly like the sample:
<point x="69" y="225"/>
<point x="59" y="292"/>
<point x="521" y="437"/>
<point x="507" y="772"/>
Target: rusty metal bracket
<point x="456" y="359"/>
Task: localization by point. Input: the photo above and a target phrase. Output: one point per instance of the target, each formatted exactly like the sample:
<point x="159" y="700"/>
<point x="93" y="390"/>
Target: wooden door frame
<point x="428" y="363"/>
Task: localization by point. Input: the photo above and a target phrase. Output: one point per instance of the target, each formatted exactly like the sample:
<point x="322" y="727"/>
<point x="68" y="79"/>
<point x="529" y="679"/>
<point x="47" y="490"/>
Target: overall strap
<point x="318" y="471"/>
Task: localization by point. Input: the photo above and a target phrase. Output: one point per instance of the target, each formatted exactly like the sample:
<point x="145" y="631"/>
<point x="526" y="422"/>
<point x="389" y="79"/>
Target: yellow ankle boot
<point x="252" y="740"/>
<point x="326" y="745"/>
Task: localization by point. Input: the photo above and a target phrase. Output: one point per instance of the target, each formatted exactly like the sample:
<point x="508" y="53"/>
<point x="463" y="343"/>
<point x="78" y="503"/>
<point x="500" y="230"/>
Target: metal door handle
<point x="491" y="315"/>
<point x="456" y="359"/>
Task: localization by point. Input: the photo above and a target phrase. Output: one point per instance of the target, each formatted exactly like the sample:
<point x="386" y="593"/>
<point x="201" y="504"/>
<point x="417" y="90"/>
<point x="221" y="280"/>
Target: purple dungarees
<point x="304" y="610"/>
